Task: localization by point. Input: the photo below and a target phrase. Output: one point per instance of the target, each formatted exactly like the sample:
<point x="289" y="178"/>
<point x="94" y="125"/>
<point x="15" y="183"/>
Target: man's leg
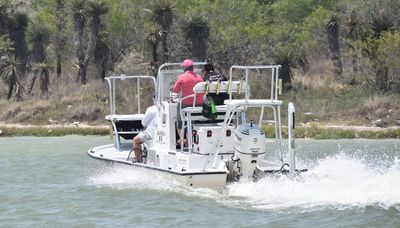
<point x="179" y="123"/>
<point x="182" y="137"/>
<point x="137" y="148"/>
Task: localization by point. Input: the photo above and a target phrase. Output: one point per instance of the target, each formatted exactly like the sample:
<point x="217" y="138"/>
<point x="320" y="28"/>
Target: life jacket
<point x="209" y="109"/>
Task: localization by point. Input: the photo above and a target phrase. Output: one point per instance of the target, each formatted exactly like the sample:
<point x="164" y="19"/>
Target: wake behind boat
<point x="227" y="147"/>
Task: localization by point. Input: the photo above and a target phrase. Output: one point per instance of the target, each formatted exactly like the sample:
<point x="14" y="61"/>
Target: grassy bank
<point x="313" y="131"/>
<point x="52" y="131"/>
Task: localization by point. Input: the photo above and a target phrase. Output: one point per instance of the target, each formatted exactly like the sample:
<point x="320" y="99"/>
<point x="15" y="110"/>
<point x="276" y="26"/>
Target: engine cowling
<point x="249" y="145"/>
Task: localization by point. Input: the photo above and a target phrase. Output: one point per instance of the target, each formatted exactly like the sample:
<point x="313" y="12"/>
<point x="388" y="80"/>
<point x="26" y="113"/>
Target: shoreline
<point x="11" y="130"/>
<point x="314" y="131"/>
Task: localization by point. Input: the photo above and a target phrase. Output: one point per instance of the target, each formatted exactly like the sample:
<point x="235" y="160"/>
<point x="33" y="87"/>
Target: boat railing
<point x="274" y="80"/>
<point x="112" y="83"/>
<point x="270" y="101"/>
<point x="126" y="125"/>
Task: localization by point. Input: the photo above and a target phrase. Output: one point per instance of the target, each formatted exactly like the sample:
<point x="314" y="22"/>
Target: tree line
<point x="42" y="39"/>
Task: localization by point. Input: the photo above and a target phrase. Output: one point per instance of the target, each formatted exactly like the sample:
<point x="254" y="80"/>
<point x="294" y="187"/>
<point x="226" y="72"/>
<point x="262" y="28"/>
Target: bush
<point x="376" y="107"/>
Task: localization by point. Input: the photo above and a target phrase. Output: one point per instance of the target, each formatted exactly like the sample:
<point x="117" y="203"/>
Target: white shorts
<point x="144" y="136"/>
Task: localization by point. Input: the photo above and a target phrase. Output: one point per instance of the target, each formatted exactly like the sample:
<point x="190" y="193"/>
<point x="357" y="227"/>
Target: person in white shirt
<point x="149" y="124"/>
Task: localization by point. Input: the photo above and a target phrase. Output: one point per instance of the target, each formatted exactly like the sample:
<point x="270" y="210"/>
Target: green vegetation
<point x="52" y="131"/>
<point x="340" y="59"/>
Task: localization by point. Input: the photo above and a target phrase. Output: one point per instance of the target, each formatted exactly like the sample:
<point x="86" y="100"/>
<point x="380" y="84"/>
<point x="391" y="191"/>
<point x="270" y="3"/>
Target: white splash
<point x="127" y="177"/>
<point x="336" y="181"/>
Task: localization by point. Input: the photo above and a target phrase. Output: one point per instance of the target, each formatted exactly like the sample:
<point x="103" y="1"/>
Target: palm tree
<point x="332" y="29"/>
<point x="78" y="8"/>
<point x="153" y="36"/>
<point x="381" y="22"/>
<point x="351" y="25"/>
<point x="102" y="54"/>
<point x="17" y="25"/>
<point x="43" y="70"/>
<point x="287" y="58"/>
<point x="4" y="14"/>
<point x="381" y="17"/>
<point x="197" y="31"/>
<point x="9" y="74"/>
<point x="163" y="14"/>
<point x="95" y="10"/>
<point x="60" y="39"/>
<point x="81" y="10"/>
<point x="39" y="36"/>
<point x="6" y="50"/>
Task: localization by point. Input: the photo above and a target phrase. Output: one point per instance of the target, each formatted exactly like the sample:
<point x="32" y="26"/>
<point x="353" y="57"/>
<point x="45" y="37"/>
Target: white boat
<point x="227" y="148"/>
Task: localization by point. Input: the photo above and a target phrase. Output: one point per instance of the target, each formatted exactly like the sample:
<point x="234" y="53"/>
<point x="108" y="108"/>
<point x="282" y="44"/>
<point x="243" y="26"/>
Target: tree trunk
<point x="82" y="73"/>
<point x="154" y="64"/>
<point x="31" y="82"/>
<point x="198" y="50"/>
<point x="103" y="70"/>
<point x="21" y="50"/>
<point x="58" y="65"/>
<point x="80" y="57"/>
<point x="354" y="61"/>
<point x="60" y="39"/>
<point x="286" y="74"/>
<point x="334" y="48"/>
<point x="44" y="83"/>
<point x="155" y="54"/>
<point x="91" y="47"/>
<point x="78" y="39"/>
<point x="165" y="48"/>
<point x="382" y="76"/>
<point x="10" y="90"/>
<point x="20" y="94"/>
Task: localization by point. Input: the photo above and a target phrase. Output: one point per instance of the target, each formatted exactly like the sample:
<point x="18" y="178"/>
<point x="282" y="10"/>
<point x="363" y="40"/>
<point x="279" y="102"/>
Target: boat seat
<point x="212" y="87"/>
<point x="253" y="102"/>
<point x="126" y="126"/>
<point x="220" y="87"/>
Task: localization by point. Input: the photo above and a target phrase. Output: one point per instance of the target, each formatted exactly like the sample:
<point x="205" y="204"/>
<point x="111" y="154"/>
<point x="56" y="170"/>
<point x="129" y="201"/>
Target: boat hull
<point x="198" y="178"/>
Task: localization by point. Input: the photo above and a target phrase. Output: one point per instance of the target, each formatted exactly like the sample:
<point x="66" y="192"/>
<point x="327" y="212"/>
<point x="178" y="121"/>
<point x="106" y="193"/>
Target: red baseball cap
<point x="187" y="63"/>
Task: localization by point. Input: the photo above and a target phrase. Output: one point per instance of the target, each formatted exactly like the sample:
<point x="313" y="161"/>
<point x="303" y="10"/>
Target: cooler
<point x="204" y="138"/>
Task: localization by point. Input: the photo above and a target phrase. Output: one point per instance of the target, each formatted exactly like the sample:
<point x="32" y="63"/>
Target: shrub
<point x="375" y="107"/>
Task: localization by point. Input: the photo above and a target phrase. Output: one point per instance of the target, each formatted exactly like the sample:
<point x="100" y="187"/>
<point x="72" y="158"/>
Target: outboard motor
<point x="249" y="145"/>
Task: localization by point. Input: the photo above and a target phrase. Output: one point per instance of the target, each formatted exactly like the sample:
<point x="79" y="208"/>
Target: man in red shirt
<point x="185" y="84"/>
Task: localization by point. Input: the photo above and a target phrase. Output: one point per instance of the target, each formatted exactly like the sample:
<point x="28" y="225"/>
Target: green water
<point x="51" y="182"/>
